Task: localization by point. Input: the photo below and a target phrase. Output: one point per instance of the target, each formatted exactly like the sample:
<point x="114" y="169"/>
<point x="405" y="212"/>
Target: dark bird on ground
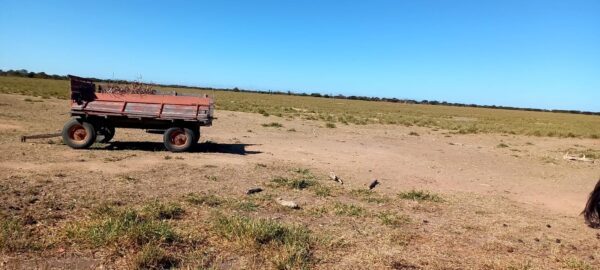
<point x="373" y="184"/>
<point x="254" y="190"/>
<point x="591" y="212"/>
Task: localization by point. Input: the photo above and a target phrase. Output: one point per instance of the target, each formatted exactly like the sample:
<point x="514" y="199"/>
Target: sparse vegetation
<point x="420" y="195"/>
<point x="289" y="245"/>
<point x="272" y="124"/>
<point x="14" y="236"/>
<point x="369" y="196"/>
<point x="153" y="256"/>
<point x="392" y="219"/>
<point x="342" y="209"/>
<point x="160" y="210"/>
<point x="293" y="183"/>
<point x="412" y="133"/>
<point x="120" y="227"/>
<point x="577" y="264"/>
<point x="502" y="145"/>
<point x="205" y="199"/>
<point x="330" y="125"/>
<point x="322" y="191"/>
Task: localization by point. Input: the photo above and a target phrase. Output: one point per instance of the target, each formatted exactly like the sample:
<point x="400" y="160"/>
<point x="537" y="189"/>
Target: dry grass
<point x="459" y="120"/>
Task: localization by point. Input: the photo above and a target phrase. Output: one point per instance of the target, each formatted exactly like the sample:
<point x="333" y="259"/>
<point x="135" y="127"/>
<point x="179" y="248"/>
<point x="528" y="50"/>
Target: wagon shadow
<point x="207" y="147"/>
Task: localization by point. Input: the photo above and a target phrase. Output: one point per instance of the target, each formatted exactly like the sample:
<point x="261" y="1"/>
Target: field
<point x="463" y="120"/>
<point x="461" y="188"/>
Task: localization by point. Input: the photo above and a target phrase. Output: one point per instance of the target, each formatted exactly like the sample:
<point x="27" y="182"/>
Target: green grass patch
<point x="14" y="236"/>
<point x="321" y="190"/>
<point x="122" y="228"/>
<point x="392" y="219"/>
<point x="369" y="196"/>
<point x="293" y="183"/>
<point x="342" y="209"/>
<point x="289" y="246"/>
<point x="159" y="210"/>
<point x="246" y="206"/>
<point x="210" y="200"/>
<point x="420" y="195"/>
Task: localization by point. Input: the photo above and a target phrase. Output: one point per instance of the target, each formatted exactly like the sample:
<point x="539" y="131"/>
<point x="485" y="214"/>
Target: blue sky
<point x="543" y="54"/>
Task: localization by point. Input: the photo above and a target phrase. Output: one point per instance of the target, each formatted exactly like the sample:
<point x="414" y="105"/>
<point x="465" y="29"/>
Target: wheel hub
<point x="77" y="133"/>
<point x="178" y="138"/>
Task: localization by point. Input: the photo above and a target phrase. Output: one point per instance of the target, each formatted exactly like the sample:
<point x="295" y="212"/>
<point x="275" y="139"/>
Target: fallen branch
<point x="567" y="156"/>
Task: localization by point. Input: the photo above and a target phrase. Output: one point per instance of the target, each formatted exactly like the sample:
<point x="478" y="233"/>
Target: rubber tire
<point x="105" y="134"/>
<point x="89" y="129"/>
<point x="196" y="134"/>
<point x="189" y="133"/>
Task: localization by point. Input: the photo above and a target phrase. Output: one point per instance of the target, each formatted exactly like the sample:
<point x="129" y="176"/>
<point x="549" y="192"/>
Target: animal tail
<point x="591" y="213"/>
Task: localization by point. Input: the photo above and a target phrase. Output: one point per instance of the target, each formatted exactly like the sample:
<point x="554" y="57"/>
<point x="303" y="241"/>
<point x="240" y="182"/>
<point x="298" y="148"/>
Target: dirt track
<point x="529" y="175"/>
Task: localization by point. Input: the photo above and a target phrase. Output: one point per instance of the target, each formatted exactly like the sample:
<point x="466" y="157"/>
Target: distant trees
<point x="27" y="74"/>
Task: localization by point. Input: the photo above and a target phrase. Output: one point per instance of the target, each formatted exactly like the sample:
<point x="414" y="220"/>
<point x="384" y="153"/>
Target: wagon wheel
<point x="105" y="134"/>
<point x="78" y="134"/>
<point x="178" y="139"/>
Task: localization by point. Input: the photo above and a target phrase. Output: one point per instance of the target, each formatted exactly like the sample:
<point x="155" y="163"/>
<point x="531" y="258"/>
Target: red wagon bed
<point x="97" y="115"/>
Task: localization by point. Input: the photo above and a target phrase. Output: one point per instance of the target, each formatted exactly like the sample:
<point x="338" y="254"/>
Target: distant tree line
<point x="42" y="75"/>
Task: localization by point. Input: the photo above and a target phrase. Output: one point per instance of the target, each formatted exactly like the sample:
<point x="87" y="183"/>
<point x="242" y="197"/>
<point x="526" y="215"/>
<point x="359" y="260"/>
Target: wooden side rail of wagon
<point x="97" y="114"/>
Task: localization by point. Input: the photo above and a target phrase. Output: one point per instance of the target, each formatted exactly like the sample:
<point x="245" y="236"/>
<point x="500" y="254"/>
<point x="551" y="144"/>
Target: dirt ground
<point x="510" y="202"/>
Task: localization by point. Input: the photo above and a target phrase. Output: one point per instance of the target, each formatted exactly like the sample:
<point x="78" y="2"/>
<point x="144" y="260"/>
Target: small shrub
<point x="272" y="124"/>
<point x="168" y="157"/>
<point x="330" y="125"/>
<point x="420" y="195"/>
<point x="292" y="130"/>
<point x="210" y="200"/>
<point x="263" y="112"/>
<point x="412" y="133"/>
<point x="502" y="145"/>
